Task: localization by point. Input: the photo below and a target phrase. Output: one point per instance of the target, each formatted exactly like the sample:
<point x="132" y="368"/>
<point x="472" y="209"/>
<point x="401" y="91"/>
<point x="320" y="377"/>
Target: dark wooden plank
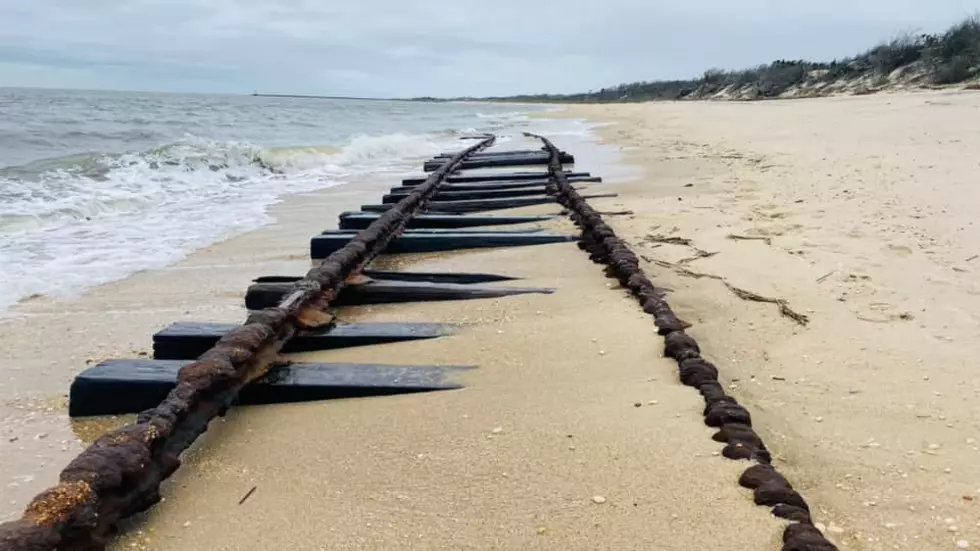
<point x="494" y="177"/>
<point x="499" y="153"/>
<point x="266" y="295"/>
<point x="117" y="387"/>
<point x="469" y="195"/>
<point x="188" y="340"/>
<point x="494" y="162"/>
<point x="322" y="245"/>
<point x="444" y="231"/>
<point x="430" y="277"/>
<point x="492" y="186"/>
<point x="482" y="205"/>
<point x="509" y="154"/>
<point x="360" y="220"/>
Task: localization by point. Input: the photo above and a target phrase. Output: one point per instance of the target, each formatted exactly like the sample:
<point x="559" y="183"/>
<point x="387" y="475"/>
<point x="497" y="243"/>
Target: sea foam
<point x="73" y="222"/>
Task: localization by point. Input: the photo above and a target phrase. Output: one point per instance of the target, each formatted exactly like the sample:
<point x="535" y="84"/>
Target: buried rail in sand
<point x="722" y="411"/>
<point x="120" y="474"/>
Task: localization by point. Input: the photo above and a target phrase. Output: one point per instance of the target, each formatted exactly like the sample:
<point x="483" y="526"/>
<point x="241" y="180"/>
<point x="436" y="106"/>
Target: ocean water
<point x="95" y="186"/>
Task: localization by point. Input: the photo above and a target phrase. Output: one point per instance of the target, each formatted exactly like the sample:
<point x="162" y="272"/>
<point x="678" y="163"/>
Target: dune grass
<point x="950" y="57"/>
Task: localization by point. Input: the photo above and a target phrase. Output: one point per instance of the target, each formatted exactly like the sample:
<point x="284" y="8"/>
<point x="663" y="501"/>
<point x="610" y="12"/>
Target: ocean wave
<point x="506" y="116"/>
<point x="72" y="222"/>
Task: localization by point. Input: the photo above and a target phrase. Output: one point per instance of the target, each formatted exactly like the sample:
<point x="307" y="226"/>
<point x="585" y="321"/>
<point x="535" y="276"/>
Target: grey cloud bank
<point x="392" y="48"/>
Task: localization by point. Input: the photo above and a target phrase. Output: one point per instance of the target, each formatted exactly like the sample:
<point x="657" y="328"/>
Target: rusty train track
<point x="120" y="473"/>
<point x="733" y="421"/>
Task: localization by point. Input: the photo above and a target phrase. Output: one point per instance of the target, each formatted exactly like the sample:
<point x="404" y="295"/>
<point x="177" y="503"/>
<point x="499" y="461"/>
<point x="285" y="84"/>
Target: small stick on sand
<point x="617" y="213"/>
<point x="824" y="277"/>
<point x="699" y="254"/>
<point x="248" y="495"/>
<point x="652" y="238"/>
<point x="749" y="238"/>
<point x="972" y="258"/>
<point x="682" y="270"/>
<point x="663" y="239"/>
<point x="784" y="308"/>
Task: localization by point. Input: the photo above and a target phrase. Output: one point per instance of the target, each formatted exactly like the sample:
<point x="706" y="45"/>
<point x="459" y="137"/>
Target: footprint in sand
<point x="900" y="250"/>
<point x="776" y="230"/>
<point x="880" y="312"/>
<point x="770" y="211"/>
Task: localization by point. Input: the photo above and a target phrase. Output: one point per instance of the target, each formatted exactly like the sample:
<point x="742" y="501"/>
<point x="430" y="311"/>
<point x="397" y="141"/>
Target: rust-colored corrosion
<point x="120" y="474"/>
<point x="721" y="411"/>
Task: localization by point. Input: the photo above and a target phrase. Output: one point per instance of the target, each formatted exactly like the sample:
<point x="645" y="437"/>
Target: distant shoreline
<point x="309" y="96"/>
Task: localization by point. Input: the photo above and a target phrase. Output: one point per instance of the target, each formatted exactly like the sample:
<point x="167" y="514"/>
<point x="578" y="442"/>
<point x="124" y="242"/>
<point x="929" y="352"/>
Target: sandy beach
<point x="573" y="432"/>
<point x="861" y="216"/>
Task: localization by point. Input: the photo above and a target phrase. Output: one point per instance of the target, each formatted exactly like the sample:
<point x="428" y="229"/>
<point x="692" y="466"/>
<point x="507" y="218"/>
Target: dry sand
<point x="869" y="409"/>
<point x="869" y="205"/>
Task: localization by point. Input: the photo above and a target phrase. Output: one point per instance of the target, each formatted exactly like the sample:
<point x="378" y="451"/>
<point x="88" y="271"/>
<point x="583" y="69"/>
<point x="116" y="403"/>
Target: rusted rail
<point x="721" y="410"/>
<point x="120" y="474"/>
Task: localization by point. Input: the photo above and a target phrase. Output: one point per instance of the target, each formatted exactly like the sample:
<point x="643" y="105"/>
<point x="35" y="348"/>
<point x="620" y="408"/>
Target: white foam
<point x="70" y="228"/>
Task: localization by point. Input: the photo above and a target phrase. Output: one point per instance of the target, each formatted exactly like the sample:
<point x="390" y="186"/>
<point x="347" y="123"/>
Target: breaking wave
<point x="71" y="222"/>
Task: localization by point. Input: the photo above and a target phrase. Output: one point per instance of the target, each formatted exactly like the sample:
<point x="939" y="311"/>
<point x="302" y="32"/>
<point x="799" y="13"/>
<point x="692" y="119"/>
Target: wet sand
<point x="48" y="342"/>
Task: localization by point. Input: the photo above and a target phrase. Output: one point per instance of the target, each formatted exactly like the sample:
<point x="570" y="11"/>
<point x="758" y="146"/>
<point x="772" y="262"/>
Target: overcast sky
<point x="428" y="47"/>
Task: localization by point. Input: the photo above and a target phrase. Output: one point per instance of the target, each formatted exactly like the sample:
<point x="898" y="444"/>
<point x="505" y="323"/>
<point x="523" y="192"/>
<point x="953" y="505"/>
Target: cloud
<point x="436" y="47"/>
